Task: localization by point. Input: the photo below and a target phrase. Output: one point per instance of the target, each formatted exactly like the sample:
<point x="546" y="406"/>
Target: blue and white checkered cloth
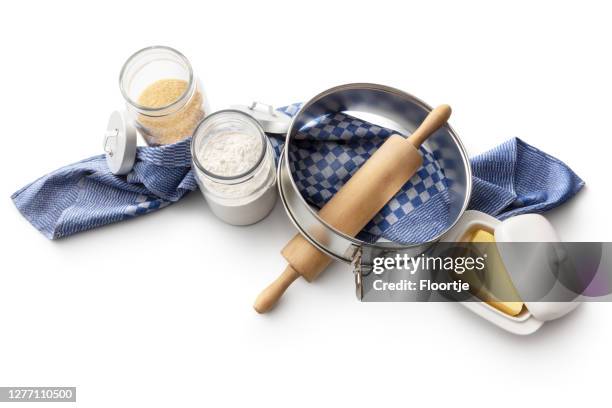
<point x="327" y="153"/>
<point x="513" y="178"/>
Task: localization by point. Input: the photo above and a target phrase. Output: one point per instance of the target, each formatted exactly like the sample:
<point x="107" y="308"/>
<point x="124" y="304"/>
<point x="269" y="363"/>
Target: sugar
<point x="177" y="125"/>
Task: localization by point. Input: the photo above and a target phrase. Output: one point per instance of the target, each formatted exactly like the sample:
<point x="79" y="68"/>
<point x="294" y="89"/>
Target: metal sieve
<point x="405" y="113"/>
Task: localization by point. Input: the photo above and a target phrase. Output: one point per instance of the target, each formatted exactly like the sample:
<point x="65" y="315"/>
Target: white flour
<point x="244" y="201"/>
<point x="230" y="154"/>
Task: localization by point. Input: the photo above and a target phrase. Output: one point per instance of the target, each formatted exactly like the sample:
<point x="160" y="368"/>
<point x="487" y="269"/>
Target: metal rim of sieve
<point x="319" y="233"/>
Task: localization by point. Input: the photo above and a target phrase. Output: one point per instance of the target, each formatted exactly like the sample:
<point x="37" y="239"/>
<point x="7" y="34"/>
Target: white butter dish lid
<point x="533" y="264"/>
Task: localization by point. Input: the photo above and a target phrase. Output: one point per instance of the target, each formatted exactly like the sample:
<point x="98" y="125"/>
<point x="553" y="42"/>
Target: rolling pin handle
<point x="270" y="295"/>
<point x="435" y="120"/>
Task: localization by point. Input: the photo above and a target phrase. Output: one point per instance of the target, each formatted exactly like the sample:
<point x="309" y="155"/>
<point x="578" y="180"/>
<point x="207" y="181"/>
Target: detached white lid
<point x="119" y="143"/>
<point x="532" y="263"/>
<point x="271" y="120"/>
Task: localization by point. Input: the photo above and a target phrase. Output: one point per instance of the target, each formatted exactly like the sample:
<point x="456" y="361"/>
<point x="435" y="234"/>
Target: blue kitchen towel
<point x="326" y="153"/>
<point x="86" y="195"/>
<point x="513" y="178"/>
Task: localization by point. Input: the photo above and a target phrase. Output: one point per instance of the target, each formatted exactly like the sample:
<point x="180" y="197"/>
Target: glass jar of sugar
<point x="164" y="98"/>
<point x="234" y="166"/>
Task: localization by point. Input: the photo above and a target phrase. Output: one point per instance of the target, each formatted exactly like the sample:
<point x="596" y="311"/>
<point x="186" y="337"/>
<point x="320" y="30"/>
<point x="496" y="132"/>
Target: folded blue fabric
<point x="513" y="178"/>
<point x="86" y="195"/>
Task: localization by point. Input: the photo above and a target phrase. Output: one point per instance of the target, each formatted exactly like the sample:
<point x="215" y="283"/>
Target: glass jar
<point x="164" y="98"/>
<point x="234" y="166"/>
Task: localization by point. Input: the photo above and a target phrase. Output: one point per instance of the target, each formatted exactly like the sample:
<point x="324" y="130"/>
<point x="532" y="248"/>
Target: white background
<point x="157" y="311"/>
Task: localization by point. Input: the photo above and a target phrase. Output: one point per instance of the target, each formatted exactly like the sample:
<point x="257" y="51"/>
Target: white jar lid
<point x="271" y="120"/>
<point x="119" y="143"/>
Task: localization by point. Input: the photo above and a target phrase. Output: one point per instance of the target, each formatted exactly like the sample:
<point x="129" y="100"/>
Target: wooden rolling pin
<point x="357" y="202"/>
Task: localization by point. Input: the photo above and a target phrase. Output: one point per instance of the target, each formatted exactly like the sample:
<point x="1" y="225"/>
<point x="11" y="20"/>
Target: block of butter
<point x="495" y="286"/>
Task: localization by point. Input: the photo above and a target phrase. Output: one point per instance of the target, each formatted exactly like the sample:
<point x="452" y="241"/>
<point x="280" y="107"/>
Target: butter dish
<point x="524" y="271"/>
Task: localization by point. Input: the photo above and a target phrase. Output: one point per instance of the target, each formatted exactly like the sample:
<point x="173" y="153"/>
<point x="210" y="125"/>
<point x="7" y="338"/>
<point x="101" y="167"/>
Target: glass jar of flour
<point x="234" y="166"/>
<point x="164" y="98"/>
